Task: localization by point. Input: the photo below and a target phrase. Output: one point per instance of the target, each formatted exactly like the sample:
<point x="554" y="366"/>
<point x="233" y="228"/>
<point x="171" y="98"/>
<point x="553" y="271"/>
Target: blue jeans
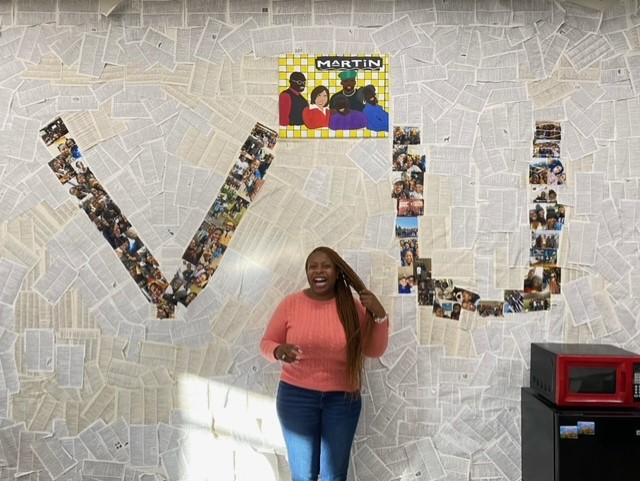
<point x="318" y="429"/>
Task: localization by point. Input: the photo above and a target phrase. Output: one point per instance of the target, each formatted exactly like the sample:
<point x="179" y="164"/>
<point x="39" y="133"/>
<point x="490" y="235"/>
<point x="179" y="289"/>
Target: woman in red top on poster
<point x="316" y="115"/>
<point x="321" y="336"/>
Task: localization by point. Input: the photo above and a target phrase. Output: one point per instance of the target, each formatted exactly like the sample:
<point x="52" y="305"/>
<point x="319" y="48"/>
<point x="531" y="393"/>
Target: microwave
<point x="597" y="375"/>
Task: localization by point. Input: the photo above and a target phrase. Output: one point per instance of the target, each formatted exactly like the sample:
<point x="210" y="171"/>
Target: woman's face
<point x="321" y="276"/>
<point x="322" y="99"/>
<point x="215" y="236"/>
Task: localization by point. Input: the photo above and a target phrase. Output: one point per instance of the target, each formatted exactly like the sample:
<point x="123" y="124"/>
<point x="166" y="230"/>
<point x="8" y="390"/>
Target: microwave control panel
<point x="636" y="382"/>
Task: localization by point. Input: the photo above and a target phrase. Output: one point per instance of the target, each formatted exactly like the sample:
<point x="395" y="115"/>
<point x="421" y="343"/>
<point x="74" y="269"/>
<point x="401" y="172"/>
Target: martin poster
<point x="344" y="96"/>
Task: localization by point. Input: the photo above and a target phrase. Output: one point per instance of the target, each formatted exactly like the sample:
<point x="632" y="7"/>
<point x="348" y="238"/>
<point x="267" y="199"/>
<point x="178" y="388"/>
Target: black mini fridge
<point x="578" y="444"/>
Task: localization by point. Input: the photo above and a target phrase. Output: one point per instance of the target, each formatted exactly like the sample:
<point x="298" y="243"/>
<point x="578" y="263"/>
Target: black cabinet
<point x="571" y="444"/>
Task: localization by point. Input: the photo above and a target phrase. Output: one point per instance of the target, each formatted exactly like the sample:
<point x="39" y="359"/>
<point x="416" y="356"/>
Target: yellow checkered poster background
<point x="329" y="78"/>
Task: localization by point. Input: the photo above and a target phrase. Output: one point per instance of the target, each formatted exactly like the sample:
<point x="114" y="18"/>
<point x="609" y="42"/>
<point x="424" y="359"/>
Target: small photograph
<point x="409" y="158"/>
<point x="422" y="268"/>
<point x="555" y="215"/>
<point x="538" y="170"/>
<point x="426" y="292"/>
<point x="537" y="218"/>
<point x="513" y="301"/>
<point x="62" y="168"/>
<point x="587" y="428"/>
<point x="543" y="194"/>
<point x="537" y="301"/>
<point x="534" y="280"/>
<point x="467" y="299"/>
<point x="545" y="239"/>
<point x="265" y="135"/>
<point x="546" y="150"/>
<point x="208" y="236"/>
<point x="237" y="210"/>
<point x="426" y="285"/>
<point x="445" y="290"/>
<point x="407" y="185"/>
<point x="410" y="207"/>
<point x="543" y="258"/>
<point x="555" y="173"/>
<point x="552" y="280"/>
<point x="546" y="217"/>
<point x="53" y="131"/>
<point x="232" y="184"/>
<point x="568" y="432"/>
<point x="548" y="131"/>
<point x="68" y="147"/>
<point x="252" y="164"/>
<point x="406" y="227"/>
<point x="447" y="310"/>
<point x="406" y="135"/>
<point x="221" y="204"/>
<point x="193" y="252"/>
<point x="229" y="229"/>
<point x="491" y="309"/>
<point x="408" y="252"/>
<point x="406" y="281"/>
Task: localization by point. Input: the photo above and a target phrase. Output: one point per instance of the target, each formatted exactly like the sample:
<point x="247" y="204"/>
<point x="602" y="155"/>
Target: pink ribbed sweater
<point x="315" y="327"/>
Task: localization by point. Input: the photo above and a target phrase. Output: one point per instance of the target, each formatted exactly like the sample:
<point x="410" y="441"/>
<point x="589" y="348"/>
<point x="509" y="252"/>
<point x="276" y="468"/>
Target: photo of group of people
<point x="546" y="168"/>
<point x="406" y="135"/>
<point x="205" y="250"/>
<point x="546" y="220"/>
<point x="451" y="300"/>
<point x="69" y="167"/>
<point x="407" y="178"/>
<point x="333" y="97"/>
<point x="409" y="165"/>
<point x="208" y="245"/>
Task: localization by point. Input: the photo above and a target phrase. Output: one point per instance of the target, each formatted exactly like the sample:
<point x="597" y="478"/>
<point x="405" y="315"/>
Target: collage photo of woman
<point x="546" y="220"/>
<point x="69" y="167"/>
<point x="205" y="250"/>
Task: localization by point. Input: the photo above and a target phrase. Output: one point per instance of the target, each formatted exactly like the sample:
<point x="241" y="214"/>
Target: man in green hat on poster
<point x="353" y="95"/>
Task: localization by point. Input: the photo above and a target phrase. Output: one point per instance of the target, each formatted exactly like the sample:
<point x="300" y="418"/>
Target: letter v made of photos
<point x="205" y="250"/>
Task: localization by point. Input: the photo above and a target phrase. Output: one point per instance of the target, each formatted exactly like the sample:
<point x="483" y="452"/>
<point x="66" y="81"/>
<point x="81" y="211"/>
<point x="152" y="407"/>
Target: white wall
<point x="443" y="403"/>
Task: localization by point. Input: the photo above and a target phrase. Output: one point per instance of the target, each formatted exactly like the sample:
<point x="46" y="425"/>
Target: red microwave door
<point x="598" y="381"/>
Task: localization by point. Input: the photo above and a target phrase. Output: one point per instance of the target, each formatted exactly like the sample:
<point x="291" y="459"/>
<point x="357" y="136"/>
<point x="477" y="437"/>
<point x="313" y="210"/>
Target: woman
<point x="556" y="169"/>
<point x="316" y="115"/>
<point x="321" y="336"/>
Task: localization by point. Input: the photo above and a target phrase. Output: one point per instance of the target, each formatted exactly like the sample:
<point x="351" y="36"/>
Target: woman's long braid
<point x="348" y="313"/>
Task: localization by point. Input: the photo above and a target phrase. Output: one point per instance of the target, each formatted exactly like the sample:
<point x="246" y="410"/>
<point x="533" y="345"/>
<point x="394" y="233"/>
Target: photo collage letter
<point x="547" y="178"/>
<point x="409" y="166"/>
<point x="205" y="250"/>
<point x="333" y="96"/>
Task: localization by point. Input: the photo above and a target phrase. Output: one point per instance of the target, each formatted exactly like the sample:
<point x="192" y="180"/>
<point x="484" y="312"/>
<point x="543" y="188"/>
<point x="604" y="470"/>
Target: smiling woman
<point x="321" y="336"/>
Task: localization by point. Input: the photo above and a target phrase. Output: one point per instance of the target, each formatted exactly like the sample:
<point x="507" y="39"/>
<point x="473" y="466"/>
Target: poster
<point x="324" y="96"/>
